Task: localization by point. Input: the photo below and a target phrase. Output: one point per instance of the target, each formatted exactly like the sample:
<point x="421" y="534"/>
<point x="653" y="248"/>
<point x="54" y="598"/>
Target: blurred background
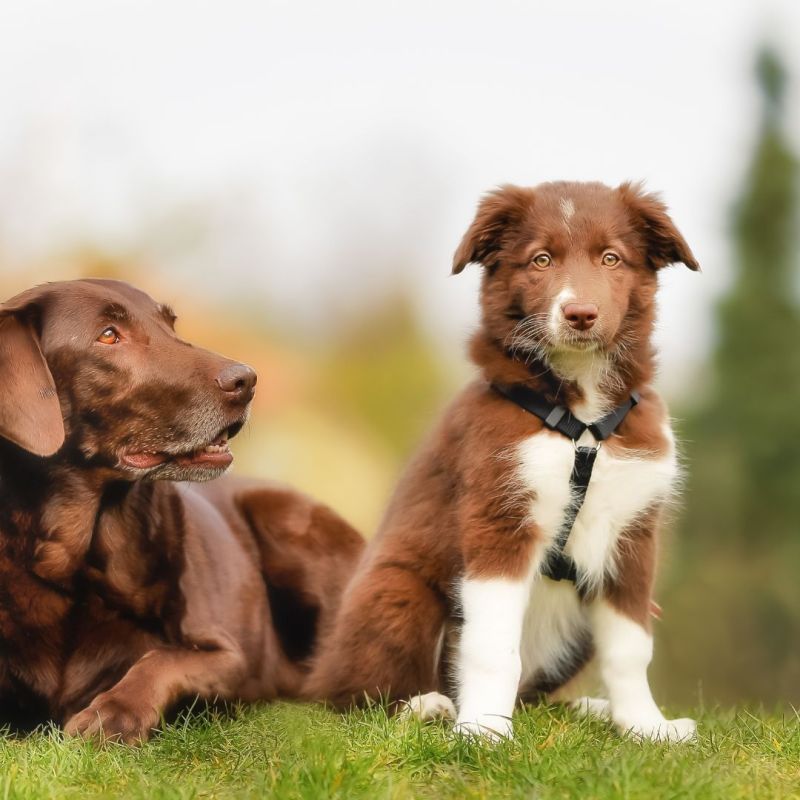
<point x="293" y="178"/>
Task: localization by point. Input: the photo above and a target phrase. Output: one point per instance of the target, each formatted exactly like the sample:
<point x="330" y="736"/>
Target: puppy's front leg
<point x="624" y="641"/>
<point x="488" y="656"/>
<point x="132" y="708"/>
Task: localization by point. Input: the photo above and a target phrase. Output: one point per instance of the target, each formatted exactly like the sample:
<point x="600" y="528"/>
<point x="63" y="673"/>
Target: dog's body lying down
<point x="120" y="594"/>
<point x="453" y="582"/>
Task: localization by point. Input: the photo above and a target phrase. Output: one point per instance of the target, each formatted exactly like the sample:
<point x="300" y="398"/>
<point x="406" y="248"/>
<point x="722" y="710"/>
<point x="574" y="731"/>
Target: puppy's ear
<point x="665" y="245"/>
<point x="497" y="211"/>
<point x="30" y="414"/>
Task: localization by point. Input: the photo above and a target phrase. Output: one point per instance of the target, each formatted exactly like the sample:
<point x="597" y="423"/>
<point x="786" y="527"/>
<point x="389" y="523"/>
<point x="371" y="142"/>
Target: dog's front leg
<point x="489" y="654"/>
<point x="131" y="709"/>
<point x="624" y="641"/>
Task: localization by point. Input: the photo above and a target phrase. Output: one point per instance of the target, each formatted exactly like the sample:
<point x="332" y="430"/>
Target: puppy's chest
<point x="623" y="485"/>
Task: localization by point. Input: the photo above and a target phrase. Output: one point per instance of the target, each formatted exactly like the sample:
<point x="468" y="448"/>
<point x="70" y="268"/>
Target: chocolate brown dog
<point x="122" y="593"/>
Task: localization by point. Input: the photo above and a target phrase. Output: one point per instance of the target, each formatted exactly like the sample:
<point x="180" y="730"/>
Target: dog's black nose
<point x="580" y="316"/>
<point x="238" y="381"/>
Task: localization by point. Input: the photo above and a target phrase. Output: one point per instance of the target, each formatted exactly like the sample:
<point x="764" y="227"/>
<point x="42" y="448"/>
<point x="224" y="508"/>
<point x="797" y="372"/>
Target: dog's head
<point x="570" y="267"/>
<point x="94" y="372"/>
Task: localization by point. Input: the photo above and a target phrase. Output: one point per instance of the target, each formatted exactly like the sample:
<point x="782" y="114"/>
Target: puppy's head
<point x="570" y="267"/>
<point x="94" y="371"/>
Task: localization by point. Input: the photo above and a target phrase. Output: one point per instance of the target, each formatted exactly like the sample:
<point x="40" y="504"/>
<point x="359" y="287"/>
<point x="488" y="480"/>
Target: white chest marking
<point x="623" y="486"/>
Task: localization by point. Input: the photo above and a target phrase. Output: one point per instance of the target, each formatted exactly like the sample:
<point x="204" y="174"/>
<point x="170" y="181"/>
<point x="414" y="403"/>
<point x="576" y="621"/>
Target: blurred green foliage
<point x="734" y="591"/>
<point x="384" y="373"/>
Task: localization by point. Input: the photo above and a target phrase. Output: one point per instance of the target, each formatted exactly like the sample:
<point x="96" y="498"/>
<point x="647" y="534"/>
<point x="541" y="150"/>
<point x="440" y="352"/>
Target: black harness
<point x="559" y="566"/>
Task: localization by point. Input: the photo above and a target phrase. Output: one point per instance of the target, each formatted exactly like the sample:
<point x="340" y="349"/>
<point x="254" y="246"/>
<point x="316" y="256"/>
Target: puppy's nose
<point x="580" y="316"/>
<point x="238" y="381"/>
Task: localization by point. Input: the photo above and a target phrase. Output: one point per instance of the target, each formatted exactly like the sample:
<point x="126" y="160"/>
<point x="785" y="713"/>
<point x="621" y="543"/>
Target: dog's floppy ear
<point x="665" y="244"/>
<point x="30" y="414"/>
<point x="496" y="211"/>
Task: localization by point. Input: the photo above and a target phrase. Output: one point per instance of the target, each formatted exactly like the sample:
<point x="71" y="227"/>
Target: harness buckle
<point x="555" y="416"/>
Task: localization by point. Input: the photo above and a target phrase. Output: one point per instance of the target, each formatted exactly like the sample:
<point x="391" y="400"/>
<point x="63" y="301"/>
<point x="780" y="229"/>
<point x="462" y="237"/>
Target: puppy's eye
<point x="108" y="336"/>
<point x="610" y="259"/>
<point x="542" y="260"/>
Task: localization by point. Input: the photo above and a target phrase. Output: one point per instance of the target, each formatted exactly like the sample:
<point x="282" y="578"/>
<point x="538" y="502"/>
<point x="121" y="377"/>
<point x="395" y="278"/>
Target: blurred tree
<point x="739" y="590"/>
<point x="751" y="427"/>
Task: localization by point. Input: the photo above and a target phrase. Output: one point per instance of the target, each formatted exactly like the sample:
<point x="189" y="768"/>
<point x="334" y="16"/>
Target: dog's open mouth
<point x="214" y="455"/>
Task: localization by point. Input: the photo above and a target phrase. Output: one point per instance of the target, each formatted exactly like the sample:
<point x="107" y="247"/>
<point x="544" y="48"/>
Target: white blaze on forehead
<point x="567" y="208"/>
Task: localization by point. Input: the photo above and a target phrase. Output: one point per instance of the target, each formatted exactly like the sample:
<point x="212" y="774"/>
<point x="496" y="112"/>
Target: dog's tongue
<point x="144" y="460"/>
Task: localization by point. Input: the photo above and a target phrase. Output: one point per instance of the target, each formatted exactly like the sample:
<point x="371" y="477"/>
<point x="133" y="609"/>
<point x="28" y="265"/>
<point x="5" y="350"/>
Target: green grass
<point x="295" y="751"/>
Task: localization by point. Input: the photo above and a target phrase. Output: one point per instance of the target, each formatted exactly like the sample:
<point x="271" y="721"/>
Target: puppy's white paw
<point x="489" y="727"/>
<point x="662" y="730"/>
<point x="592" y="707"/>
<point x="429" y="706"/>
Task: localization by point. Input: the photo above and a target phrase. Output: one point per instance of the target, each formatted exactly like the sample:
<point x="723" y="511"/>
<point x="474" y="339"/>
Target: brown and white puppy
<point x="568" y="307"/>
<point x="122" y="592"/>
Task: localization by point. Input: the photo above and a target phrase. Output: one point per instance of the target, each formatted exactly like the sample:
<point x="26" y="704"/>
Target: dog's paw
<point x="487" y="727"/>
<point x="592" y="707"/>
<point x="114" y="719"/>
<point x="429" y="706"/>
<point x="662" y="730"/>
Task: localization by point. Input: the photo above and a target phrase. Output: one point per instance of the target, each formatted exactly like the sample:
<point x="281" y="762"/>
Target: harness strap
<point x="557" y="418"/>
<point x="559" y="566"/>
<point x="606" y="425"/>
<point x="561" y="419"/>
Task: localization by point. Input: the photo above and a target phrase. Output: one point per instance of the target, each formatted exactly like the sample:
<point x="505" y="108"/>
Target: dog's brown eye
<point x="610" y="259"/>
<point x="108" y="336"/>
<point x="542" y="260"/>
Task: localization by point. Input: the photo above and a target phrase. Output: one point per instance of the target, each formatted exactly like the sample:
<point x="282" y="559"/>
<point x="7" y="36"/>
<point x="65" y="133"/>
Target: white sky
<point x="312" y="151"/>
